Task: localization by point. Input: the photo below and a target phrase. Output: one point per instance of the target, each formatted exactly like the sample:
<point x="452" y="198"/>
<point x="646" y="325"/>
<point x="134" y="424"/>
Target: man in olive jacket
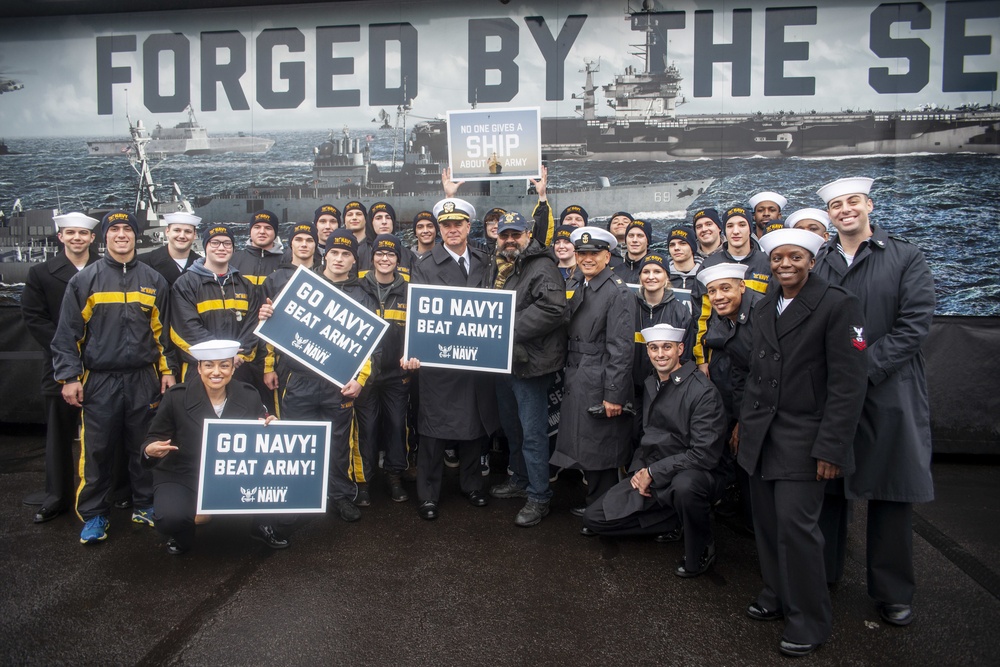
<point x="523" y="266"/>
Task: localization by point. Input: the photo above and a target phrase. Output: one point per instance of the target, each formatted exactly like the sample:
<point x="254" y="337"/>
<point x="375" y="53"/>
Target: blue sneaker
<point x="143" y="515"/>
<point x="94" y="530"/>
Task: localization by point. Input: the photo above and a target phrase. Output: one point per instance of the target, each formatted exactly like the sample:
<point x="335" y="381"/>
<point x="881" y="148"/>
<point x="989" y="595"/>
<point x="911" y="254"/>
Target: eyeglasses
<point x="384" y="254"/>
<point x="511" y="235"/>
<point x="220" y="244"/>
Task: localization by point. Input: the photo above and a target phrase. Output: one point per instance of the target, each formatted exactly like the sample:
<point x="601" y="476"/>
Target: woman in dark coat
<point x="802" y="403"/>
<point x="173" y="444"/>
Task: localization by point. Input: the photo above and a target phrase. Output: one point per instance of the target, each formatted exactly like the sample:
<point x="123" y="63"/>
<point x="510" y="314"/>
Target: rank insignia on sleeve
<point x="859" y="338"/>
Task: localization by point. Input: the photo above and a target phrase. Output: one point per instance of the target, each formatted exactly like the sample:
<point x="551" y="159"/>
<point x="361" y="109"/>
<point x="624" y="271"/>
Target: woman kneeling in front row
<point x="173" y="445"/>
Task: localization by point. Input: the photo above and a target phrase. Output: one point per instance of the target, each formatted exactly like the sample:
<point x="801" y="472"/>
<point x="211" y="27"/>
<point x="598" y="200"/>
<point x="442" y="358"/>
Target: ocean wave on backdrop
<point x="942" y="203"/>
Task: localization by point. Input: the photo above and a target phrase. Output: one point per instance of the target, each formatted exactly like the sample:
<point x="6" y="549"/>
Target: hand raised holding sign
<point x="409" y="364"/>
<point x="266" y="310"/>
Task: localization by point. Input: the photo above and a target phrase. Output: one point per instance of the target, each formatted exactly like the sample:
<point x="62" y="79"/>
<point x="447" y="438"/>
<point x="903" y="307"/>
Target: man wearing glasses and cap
<point x="213" y="300"/>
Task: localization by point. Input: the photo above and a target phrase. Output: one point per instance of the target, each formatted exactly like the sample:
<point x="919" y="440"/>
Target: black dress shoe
<point x="896" y="614"/>
<point x="704" y="562"/>
<point x="673" y="536"/>
<point x="477" y="498"/>
<point x="428" y="510"/>
<point x="578" y="511"/>
<point x="175" y="549"/>
<point x="35" y="498"/>
<point x="587" y="532"/>
<point x="47" y="514"/>
<point x="266" y="534"/>
<point x="795" y="650"/>
<point x="758" y="613"/>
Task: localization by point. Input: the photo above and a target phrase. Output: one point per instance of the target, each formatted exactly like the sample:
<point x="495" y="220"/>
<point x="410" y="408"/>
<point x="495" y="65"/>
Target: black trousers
<point x="598" y="483"/>
<point x="175" y="506"/>
<point x="430" y="465"/>
<point x="61" y="427"/>
<point x="790" y="548"/>
<point x="381" y="415"/>
<point x="687" y="502"/>
<point x="117" y="409"/>
<point x="308" y="397"/>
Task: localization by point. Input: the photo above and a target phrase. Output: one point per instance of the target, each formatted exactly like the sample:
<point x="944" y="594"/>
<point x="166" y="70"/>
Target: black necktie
<point x="461" y="264"/>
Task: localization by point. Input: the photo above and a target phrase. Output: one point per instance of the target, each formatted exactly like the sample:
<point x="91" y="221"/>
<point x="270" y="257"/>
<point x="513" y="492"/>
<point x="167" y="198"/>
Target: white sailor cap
<point x="845" y="186"/>
<point x="181" y="218"/>
<point x="800" y="237"/>
<point x="768" y="196"/>
<point x="216" y="350"/>
<point x="75" y="219"/>
<point x="817" y="214"/>
<point x="453" y="208"/>
<point x="593" y="238"/>
<point x="663" y="332"/>
<point x="720" y="271"/>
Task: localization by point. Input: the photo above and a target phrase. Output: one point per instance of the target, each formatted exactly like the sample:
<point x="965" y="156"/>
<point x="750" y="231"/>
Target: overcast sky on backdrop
<point x="55" y="59"/>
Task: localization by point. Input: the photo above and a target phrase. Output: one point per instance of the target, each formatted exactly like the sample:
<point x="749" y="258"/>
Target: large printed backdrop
<point x="294" y="73"/>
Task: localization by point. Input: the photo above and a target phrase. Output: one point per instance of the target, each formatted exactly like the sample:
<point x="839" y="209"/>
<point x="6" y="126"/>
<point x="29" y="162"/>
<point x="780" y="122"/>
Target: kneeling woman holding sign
<point x="173" y="444"/>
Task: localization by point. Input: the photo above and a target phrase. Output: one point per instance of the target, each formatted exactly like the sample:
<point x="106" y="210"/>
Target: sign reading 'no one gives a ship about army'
<point x="460" y="327"/>
<point x="321" y="327"/>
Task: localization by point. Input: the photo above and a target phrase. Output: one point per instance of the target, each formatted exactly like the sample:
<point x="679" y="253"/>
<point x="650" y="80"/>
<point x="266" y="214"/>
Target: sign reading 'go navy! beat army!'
<point x="323" y="328"/>
<point x="485" y="144"/>
<point x="460" y="327"/>
<point x="250" y="468"/>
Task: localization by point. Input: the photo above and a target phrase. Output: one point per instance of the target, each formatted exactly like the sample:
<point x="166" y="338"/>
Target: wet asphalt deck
<point x="470" y="588"/>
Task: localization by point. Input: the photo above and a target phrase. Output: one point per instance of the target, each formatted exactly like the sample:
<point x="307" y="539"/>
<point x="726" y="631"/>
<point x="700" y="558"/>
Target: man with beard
<point x="524" y="266"/>
<point x="767" y="207"/>
<point x="177" y="256"/>
<point x="43" y="294"/>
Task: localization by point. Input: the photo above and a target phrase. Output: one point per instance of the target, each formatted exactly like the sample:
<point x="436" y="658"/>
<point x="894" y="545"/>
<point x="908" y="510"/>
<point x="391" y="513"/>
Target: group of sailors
<point x="758" y="358"/>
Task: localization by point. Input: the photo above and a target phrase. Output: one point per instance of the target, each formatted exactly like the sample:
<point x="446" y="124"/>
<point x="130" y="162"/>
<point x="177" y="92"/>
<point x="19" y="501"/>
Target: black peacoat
<point x="893" y="443"/>
<point x="599" y="361"/>
<point x="181" y="419"/>
<point x="454" y="404"/>
<point x="806" y="384"/>
<point x="40" y="303"/>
